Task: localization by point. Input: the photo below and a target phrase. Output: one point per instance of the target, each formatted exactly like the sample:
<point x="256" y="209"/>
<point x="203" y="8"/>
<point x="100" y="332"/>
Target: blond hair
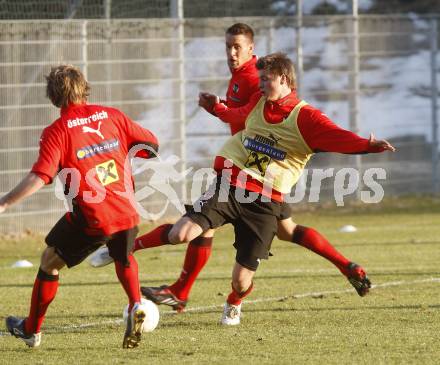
<point x="66" y="85"/>
<point x="279" y="64"/>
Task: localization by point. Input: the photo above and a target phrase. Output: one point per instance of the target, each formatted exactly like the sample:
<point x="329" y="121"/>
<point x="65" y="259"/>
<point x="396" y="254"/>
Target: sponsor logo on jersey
<point x="107" y="172"/>
<point x="95" y="117"/>
<point x="261" y="152"/>
<point x="96" y="149"/>
<point x="262" y="147"/>
<point x="96" y="131"/>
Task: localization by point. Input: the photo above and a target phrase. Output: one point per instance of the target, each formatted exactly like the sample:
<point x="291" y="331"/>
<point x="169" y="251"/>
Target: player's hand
<point x="207" y="101"/>
<point x="2" y="208"/>
<point x="380" y="143"/>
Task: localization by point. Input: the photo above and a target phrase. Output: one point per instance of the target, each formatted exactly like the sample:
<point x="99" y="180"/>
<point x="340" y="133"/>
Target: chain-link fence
<point x="125" y="9"/>
<point x="383" y="73"/>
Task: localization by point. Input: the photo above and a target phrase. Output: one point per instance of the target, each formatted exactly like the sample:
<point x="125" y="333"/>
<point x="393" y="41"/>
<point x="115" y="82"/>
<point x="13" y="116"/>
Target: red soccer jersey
<point x="93" y="141"/>
<point x="243" y="84"/>
<point x="317" y="130"/>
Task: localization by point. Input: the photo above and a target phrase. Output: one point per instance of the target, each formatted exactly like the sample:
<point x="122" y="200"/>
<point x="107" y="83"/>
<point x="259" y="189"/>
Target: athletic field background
<point x="301" y="311"/>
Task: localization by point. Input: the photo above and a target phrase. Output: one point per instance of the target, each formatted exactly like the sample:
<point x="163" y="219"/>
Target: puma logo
<point x="86" y="129"/>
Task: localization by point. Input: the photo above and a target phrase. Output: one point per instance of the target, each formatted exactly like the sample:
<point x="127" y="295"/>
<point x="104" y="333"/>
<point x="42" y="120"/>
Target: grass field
<point x="301" y="311"/>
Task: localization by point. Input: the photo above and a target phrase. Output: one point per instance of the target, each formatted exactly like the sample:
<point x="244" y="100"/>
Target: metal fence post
<point x="84" y="44"/>
<point x="107" y="48"/>
<point x="177" y="13"/>
<point x="107" y="9"/>
<point x="270" y="37"/>
<point x="354" y="67"/>
<point x="299" y="50"/>
<point x="434" y="106"/>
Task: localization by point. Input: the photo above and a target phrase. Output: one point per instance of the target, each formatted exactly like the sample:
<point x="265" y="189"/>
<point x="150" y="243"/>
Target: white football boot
<point x="231" y="315"/>
<point x="16" y="328"/>
<point x="100" y="257"/>
<point x="133" y="331"/>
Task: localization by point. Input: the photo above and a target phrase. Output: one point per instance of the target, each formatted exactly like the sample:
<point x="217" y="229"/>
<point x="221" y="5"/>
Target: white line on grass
<point x="255" y="301"/>
<point x="313" y="294"/>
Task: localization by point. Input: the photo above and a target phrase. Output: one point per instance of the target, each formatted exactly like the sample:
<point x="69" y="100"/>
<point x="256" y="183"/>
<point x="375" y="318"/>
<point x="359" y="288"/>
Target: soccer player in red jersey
<point x="244" y="83"/>
<point x="256" y="167"/>
<point x="91" y="145"/>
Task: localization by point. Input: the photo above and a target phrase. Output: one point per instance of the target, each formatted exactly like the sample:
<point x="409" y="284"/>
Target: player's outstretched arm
<point x="323" y="135"/>
<point x="29" y="185"/>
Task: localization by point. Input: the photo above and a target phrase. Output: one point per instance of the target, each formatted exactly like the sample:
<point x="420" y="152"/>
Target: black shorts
<point x="255" y="223"/>
<point x="285" y="211"/>
<point x="73" y="245"/>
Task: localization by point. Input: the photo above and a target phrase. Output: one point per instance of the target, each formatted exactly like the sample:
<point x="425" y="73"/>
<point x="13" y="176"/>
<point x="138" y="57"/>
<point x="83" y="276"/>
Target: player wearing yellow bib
<point x="256" y="167"/>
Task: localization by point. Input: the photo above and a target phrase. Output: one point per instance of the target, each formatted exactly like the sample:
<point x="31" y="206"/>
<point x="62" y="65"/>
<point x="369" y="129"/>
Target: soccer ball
<point x="152" y="312"/>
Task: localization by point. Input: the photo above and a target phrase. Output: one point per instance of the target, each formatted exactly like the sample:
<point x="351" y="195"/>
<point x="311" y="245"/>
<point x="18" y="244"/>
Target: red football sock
<point x="235" y="297"/>
<point x="154" y="238"/>
<point x="44" y="291"/>
<point x="197" y="255"/>
<point x="128" y="277"/>
<point x="314" y="241"/>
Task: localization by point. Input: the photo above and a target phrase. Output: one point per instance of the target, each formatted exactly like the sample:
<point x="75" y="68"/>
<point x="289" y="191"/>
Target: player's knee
<point x="177" y="236"/>
<point x="50" y="262"/>
<point x="283" y="235"/>
<point x="184" y="230"/>
<point x="285" y="230"/>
